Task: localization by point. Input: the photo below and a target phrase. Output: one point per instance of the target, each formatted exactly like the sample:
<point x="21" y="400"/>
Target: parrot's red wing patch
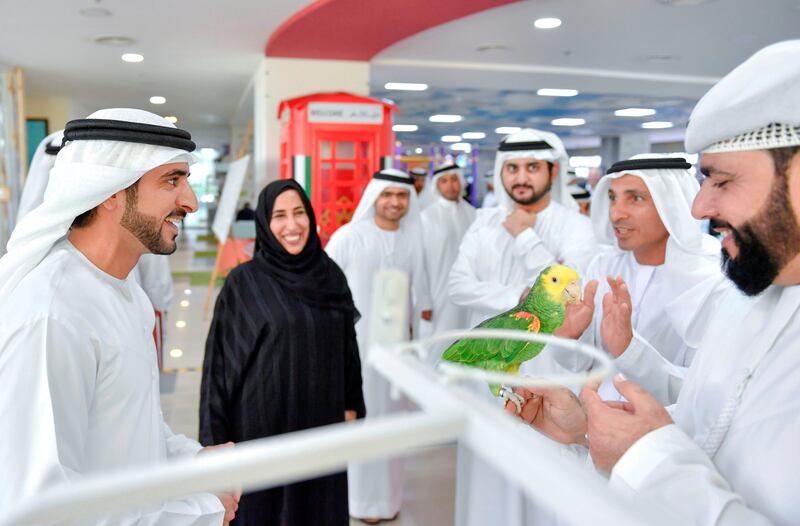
<point x="535" y="324"/>
<point x="524" y="315"/>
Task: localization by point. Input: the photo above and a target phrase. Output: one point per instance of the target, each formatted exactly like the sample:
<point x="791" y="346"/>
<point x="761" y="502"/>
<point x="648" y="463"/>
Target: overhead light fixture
<point x="405" y="86"/>
<point x="188" y="292"/>
<point x="158" y="99"/>
<point x="445" y="118"/>
<point x="180" y="324"/>
<point x="176" y="353"/>
<point x="658" y="57"/>
<point x="473" y="135"/>
<point x="405" y="127"/>
<point x="114" y="41"/>
<point x="635" y="112"/>
<point x="172" y="119"/>
<point x="551" y="92"/>
<point x="505" y="130"/>
<point x="451" y="138"/>
<point x="184" y="303"/>
<point x="418" y="150"/>
<point x="546" y="23"/>
<point x="461" y="147"/>
<point x="132" y="57"/>
<point x="95" y="12"/>
<point x="568" y="121"/>
<point x="491" y="46"/>
<point x="657" y="125"/>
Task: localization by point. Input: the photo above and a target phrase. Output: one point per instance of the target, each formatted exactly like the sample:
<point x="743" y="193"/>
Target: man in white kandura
<point x="535" y="224"/>
<point x="384" y="234"/>
<point x="152" y="272"/>
<point x="77" y="359"/>
<point x="726" y="453"/>
<point x="444" y="224"/>
<point x="653" y="252"/>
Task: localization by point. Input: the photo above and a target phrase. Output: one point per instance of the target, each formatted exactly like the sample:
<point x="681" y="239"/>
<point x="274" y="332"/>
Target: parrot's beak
<point x="572" y="293"/>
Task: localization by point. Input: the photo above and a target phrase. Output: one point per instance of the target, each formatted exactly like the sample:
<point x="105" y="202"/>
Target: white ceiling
<point x="201" y="54"/>
<point x="603" y="46"/>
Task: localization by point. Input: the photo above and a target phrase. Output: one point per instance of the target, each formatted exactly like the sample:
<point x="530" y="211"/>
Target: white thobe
<point x="444" y="224"/>
<point x="78" y="369"/>
<point x="155" y="277"/>
<point x="490" y="273"/>
<point x="658" y="355"/>
<point x="493" y="268"/>
<point x="362" y="249"/>
<point x="752" y="478"/>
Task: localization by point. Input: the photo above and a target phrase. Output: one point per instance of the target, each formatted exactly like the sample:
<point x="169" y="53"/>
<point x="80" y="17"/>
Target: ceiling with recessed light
<point x="486" y="110"/>
<point x="200" y="55"/>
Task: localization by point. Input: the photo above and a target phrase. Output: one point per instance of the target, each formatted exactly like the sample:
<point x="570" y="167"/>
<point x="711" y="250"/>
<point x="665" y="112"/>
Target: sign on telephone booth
<point x="331" y="144"/>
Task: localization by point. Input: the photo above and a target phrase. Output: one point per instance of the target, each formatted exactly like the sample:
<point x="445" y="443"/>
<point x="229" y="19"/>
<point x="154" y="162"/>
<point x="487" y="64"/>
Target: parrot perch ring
<point x="453" y="372"/>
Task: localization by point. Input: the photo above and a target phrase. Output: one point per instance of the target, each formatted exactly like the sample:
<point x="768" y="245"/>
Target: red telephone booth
<point x="331" y="144"/>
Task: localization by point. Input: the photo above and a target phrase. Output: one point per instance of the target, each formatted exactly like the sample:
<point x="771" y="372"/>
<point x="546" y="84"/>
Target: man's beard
<point x="534" y="198"/>
<point x="147" y="228"/>
<point x="766" y="243"/>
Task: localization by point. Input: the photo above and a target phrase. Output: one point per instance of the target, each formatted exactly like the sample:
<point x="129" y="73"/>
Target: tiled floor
<point x="430" y="474"/>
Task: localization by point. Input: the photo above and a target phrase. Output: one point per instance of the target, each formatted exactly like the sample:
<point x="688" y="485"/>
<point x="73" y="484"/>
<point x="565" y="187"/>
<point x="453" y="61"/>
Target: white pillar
<point x="278" y="79"/>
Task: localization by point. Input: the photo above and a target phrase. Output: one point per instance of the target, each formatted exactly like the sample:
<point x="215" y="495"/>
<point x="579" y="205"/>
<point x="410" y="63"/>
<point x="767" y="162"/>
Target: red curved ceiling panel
<point x="360" y="29"/>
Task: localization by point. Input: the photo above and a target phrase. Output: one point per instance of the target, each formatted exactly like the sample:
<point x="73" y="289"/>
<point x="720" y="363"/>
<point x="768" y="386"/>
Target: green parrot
<point x="542" y="311"/>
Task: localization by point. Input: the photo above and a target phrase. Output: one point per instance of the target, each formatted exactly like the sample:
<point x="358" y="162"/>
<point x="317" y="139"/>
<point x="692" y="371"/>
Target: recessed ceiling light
<point x="491" y="46"/>
<point x="473" y="135"/>
<point x="658" y="57"/>
<point x="405" y="86"/>
<point x="546" y="23"/>
<point x="180" y="324"/>
<point x="95" y="12"/>
<point x="418" y="150"/>
<point x="461" y="147"/>
<point x="176" y="353"/>
<point x="451" y="138"/>
<point x="132" y="57"/>
<point x="188" y="292"/>
<point x="157" y="99"/>
<point x="171" y="118"/>
<point x="505" y="130"/>
<point x="656" y="125"/>
<point x="635" y="112"/>
<point x="568" y="121"/>
<point x="445" y="118"/>
<point x="405" y="127"/>
<point x="184" y="303"/>
<point x="115" y="41"/>
<point x="551" y="92"/>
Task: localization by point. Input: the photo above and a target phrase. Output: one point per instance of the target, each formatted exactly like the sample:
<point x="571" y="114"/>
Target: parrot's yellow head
<point x="561" y="284"/>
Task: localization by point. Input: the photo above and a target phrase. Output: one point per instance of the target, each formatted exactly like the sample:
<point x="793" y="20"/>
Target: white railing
<point x="450" y="412"/>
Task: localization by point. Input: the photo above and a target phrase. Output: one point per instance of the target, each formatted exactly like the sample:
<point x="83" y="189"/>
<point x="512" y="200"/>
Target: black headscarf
<point x="311" y="275"/>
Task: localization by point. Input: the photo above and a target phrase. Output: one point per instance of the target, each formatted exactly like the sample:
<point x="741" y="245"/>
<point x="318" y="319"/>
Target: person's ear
<point x="554" y="172"/>
<point x="114" y="202"/>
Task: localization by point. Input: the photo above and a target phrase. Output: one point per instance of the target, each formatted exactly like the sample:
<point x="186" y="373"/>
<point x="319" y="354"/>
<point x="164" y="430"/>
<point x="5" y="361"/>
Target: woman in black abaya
<point x="281" y="356"/>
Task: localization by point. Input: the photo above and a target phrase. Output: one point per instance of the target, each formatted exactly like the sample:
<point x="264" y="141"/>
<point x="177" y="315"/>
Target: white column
<point x="278" y="79"/>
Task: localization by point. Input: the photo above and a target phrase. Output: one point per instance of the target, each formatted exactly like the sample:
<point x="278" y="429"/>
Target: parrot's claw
<point x="508" y="394"/>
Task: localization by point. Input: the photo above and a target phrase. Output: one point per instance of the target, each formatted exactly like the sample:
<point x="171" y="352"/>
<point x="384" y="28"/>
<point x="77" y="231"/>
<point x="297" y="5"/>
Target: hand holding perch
<point x="555" y="411"/>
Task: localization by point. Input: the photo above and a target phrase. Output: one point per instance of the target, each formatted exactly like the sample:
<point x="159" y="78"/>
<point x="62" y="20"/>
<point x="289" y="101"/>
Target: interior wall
<point x="278" y="79"/>
<point x="55" y="109"/>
